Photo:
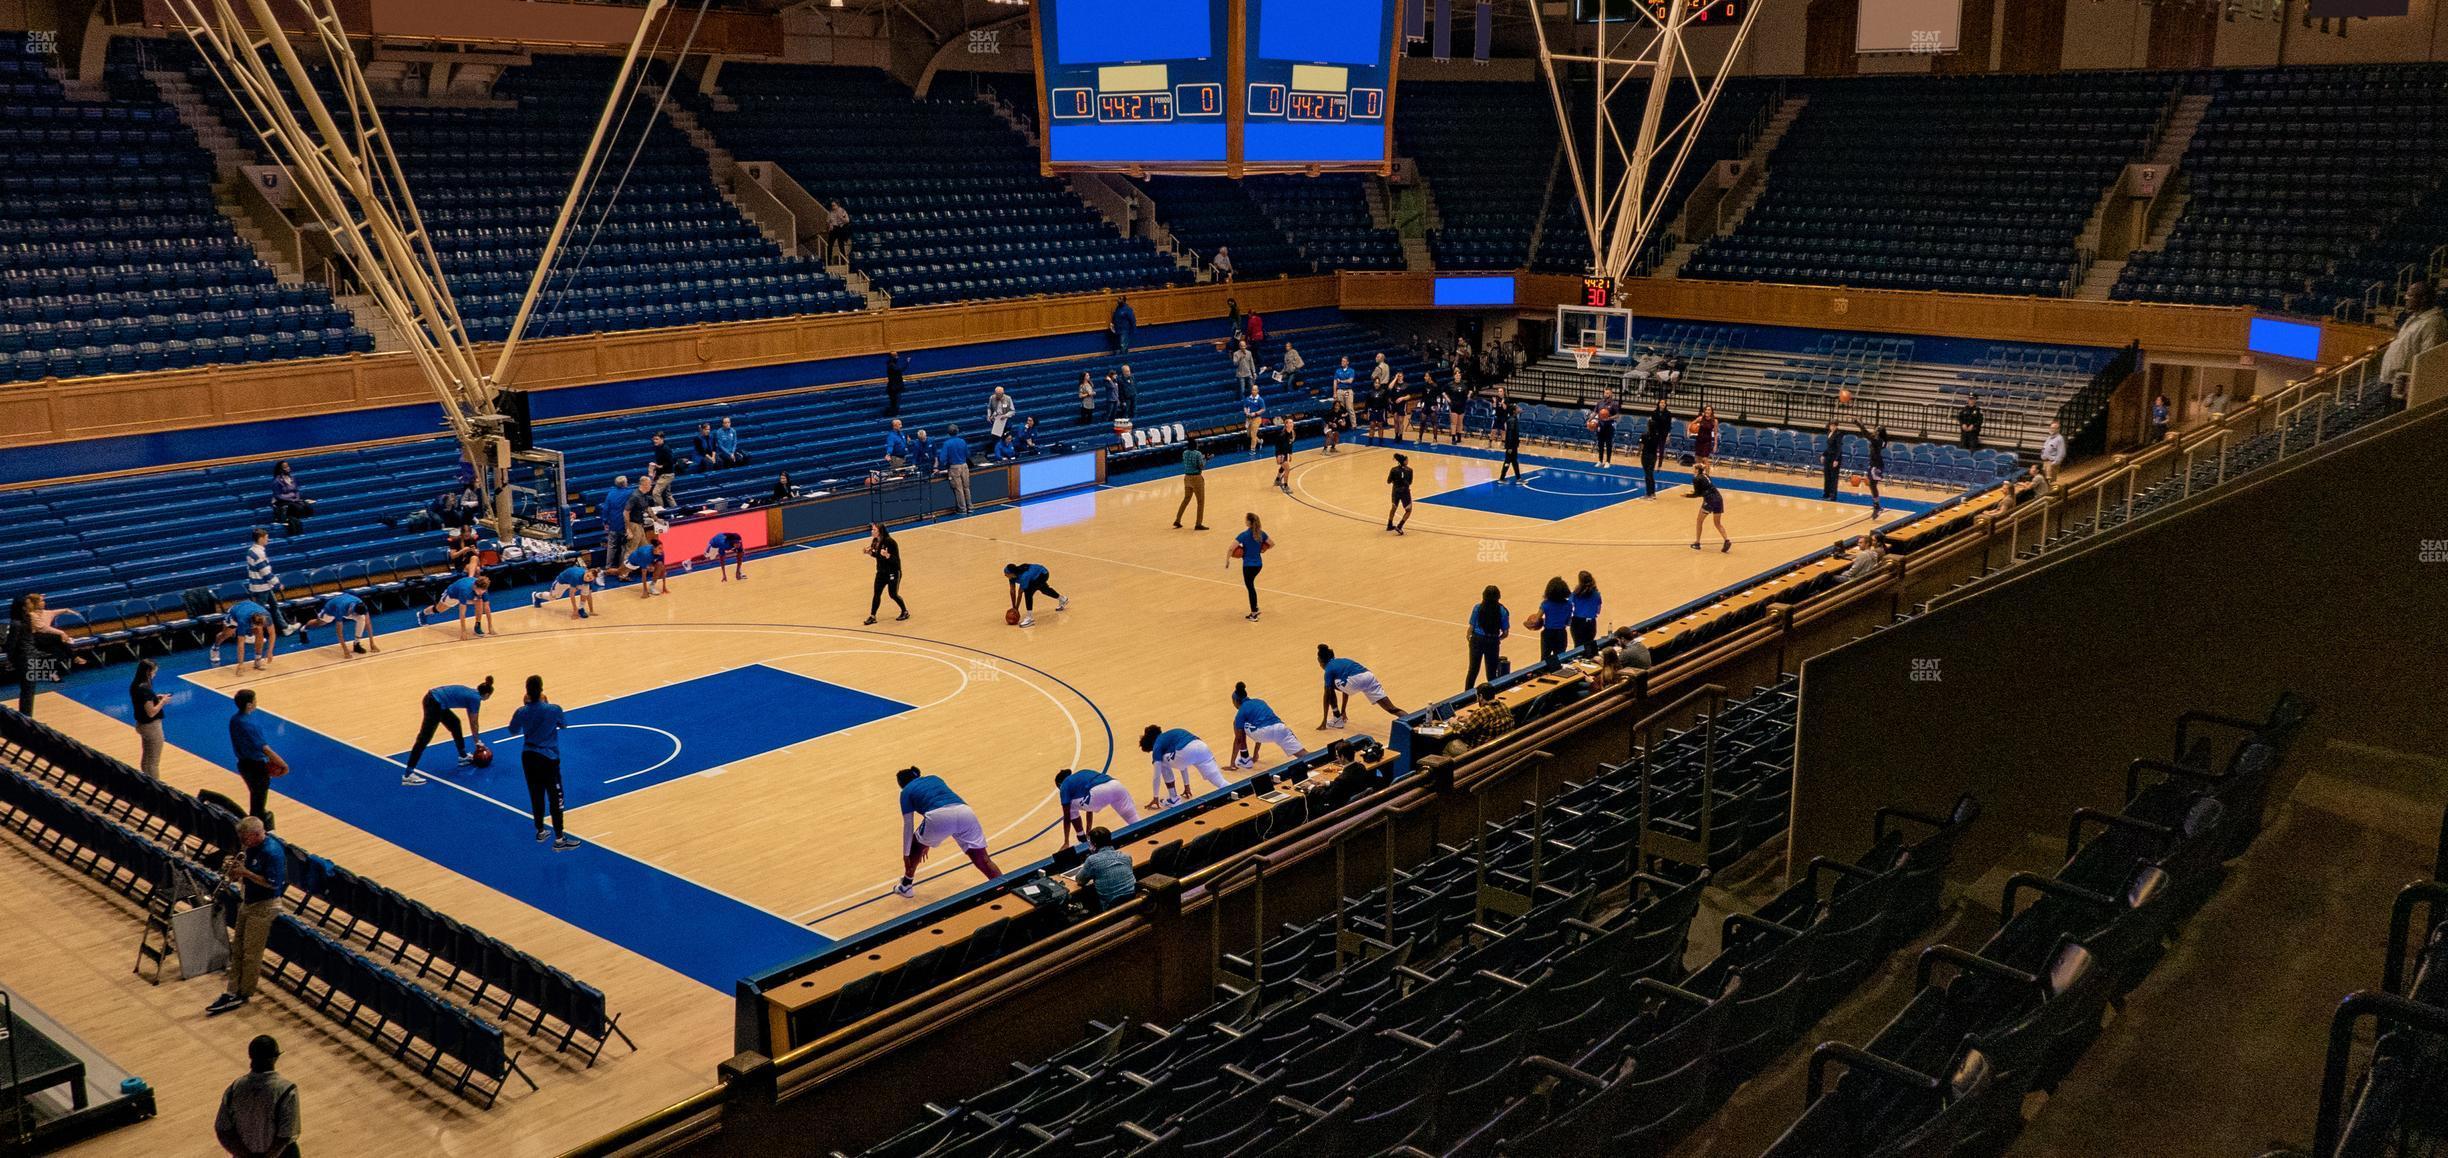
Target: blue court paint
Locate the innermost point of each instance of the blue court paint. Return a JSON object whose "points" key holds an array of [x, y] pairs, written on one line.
{"points": [[638, 741], [684, 926], [1555, 493]]}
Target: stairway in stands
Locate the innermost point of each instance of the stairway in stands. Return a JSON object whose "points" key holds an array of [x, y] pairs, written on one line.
{"points": [[1746, 191]]}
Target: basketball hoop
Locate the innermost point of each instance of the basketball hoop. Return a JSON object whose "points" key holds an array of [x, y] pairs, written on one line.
{"points": [[1581, 356]]}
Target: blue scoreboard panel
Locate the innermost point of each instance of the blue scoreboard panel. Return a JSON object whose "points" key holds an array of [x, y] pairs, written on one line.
{"points": [[1134, 82], [1216, 86], [1320, 83]]}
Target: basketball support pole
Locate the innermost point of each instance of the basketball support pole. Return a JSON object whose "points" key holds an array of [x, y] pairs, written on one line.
{"points": [[350, 179], [1622, 216]]}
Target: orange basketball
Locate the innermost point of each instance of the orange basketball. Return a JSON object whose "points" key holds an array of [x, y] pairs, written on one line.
{"points": [[1844, 396], [1236, 550], [1012, 616]]}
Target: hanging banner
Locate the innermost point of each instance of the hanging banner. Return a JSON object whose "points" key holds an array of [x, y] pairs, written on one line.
{"points": [[1483, 30], [1442, 47]]}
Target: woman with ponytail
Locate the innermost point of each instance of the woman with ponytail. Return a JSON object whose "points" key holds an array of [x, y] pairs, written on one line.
{"points": [[442, 706]]}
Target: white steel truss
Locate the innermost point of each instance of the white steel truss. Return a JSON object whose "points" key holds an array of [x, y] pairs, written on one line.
{"points": [[1623, 212]]}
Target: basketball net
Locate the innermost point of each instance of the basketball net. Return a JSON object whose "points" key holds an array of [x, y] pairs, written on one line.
{"points": [[1582, 355]]}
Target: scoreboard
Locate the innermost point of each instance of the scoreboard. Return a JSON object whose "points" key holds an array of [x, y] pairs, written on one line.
{"points": [[1704, 13], [1216, 86]]}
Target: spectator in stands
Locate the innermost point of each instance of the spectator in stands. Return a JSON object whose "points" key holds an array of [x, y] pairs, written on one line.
{"points": [[2419, 327], [1028, 436], [1485, 720], [666, 464], [1194, 481], [2216, 404], [704, 447], [262, 582], [1253, 328], [1122, 324], [999, 411], [1224, 265], [1831, 457], [260, 869], [837, 230], [894, 366], [1968, 423], [615, 515], [1245, 370], [1488, 624], [1107, 873], [1126, 393], [2053, 452], [1006, 448], [953, 457], [466, 551], [1610, 670], [259, 1112], [289, 507], [782, 489], [1087, 398], [1293, 363], [1869, 558], [896, 447], [726, 445], [145, 708], [922, 452], [257, 762], [1232, 319]]}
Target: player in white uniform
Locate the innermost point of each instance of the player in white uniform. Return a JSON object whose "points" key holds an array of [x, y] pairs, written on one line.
{"points": [[1174, 754], [1255, 725], [1083, 791]]}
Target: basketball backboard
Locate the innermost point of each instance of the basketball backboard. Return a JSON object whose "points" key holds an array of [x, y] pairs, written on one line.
{"points": [[1604, 329]]}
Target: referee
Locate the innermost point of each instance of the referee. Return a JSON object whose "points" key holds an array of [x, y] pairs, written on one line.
{"points": [[539, 721]]}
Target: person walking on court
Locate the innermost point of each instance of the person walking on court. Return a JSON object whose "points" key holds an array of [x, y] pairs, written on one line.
{"points": [[1398, 483], [1083, 791], [259, 1112], [1174, 753], [1250, 548], [1253, 412], [1653, 444], [1831, 460], [1283, 436], [1345, 678], [954, 457], [931, 813], [1876, 473], [260, 868], [441, 707], [258, 764], [1489, 623], [886, 551], [1511, 417], [1027, 580], [1344, 379], [1255, 725], [1584, 611], [145, 711], [1554, 618], [1712, 506], [1602, 424], [539, 722], [1194, 483]]}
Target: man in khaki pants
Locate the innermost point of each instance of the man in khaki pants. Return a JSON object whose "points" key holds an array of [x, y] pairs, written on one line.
{"points": [[261, 870], [1194, 487]]}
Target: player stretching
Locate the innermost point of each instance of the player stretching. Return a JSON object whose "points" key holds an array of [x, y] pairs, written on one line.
{"points": [[470, 594], [576, 583], [1399, 478], [728, 552], [1172, 751], [647, 560], [931, 813], [247, 623], [1083, 791], [344, 611], [1255, 725], [1345, 678], [1027, 580]]}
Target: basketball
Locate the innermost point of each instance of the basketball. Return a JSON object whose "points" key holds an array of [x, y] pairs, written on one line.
{"points": [[1012, 617], [1236, 551], [483, 757], [1844, 397], [1860, 481], [1537, 620]]}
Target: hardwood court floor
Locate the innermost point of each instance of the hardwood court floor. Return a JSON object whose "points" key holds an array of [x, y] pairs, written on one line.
{"points": [[801, 824]]}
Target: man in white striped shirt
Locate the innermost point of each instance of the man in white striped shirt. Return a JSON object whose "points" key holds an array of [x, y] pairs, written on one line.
{"points": [[263, 583]]}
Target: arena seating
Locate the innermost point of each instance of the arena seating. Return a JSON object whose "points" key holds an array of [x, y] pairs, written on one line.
{"points": [[1486, 151], [433, 1037], [2267, 211], [1501, 1009], [1986, 195], [1208, 213], [114, 257], [945, 200], [1564, 238], [140, 542], [1328, 217], [2383, 1104], [456, 956]]}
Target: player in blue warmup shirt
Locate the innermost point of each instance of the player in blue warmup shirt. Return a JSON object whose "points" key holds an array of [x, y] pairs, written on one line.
{"points": [[470, 594], [344, 612], [647, 560], [576, 583], [1027, 580], [728, 552], [1345, 678], [1176, 751], [931, 813], [1083, 791], [1585, 605], [441, 707], [1555, 617], [539, 722], [249, 623], [1253, 411], [1255, 725], [1249, 549]]}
